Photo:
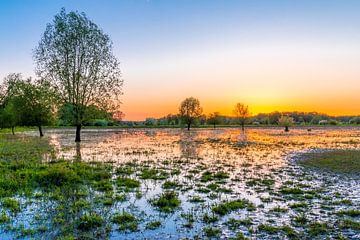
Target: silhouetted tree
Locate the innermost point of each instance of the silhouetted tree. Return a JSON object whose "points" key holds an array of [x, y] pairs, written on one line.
{"points": [[241, 113], [214, 118], [190, 110], [286, 122], [76, 57]]}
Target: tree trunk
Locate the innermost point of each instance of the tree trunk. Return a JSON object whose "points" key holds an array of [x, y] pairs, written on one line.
{"points": [[286, 128], [242, 127], [78, 151], [188, 126], [12, 130], [214, 126], [40, 131], [77, 137]]}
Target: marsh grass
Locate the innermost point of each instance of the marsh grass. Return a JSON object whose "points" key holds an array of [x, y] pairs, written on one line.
{"points": [[229, 206], [341, 161], [202, 196], [166, 202]]}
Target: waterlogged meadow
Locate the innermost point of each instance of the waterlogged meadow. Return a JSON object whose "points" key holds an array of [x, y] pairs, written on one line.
{"points": [[175, 184]]}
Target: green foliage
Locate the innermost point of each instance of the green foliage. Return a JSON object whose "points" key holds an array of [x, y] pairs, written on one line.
{"points": [[92, 115], [152, 173], [212, 232], [229, 206], [354, 120], [349, 212], [210, 218], [286, 121], [153, 225], [23, 169], [170, 185], [214, 119], [85, 85], [209, 176], [26, 103], [9, 117], [167, 201], [11, 204], [190, 110], [4, 218], [348, 224], [127, 182], [89, 221], [125, 221], [318, 228]]}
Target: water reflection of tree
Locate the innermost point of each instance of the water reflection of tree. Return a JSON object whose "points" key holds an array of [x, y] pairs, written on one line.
{"points": [[67, 212], [189, 146], [78, 151], [242, 137]]}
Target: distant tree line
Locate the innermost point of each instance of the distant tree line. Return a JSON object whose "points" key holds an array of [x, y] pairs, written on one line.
{"points": [[242, 117]]}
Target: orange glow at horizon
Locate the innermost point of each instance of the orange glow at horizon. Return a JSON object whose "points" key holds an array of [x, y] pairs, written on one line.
{"points": [[267, 76]]}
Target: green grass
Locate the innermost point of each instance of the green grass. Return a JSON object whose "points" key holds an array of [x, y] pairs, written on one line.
{"points": [[152, 173], [341, 161], [4, 218], [212, 232], [12, 204], [166, 202], [349, 212], [229, 206], [125, 221], [89, 221], [153, 225], [127, 182]]}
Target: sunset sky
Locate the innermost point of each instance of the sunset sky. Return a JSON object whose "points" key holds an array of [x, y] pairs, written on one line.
{"points": [[272, 55]]}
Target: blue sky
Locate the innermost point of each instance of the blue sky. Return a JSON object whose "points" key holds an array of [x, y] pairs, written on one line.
{"points": [[221, 50]]}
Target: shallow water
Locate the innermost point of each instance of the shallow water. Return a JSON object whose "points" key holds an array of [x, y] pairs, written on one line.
{"points": [[260, 153]]}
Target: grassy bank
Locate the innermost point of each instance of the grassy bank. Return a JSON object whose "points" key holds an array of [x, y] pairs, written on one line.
{"points": [[341, 161]]}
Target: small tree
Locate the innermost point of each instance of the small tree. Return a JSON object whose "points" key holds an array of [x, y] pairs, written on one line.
{"points": [[9, 116], [76, 57], [214, 118], [241, 113], [35, 103], [286, 122], [190, 110]]}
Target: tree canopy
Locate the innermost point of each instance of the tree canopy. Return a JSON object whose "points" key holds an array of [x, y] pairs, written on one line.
{"points": [[241, 112], [26, 103], [190, 110], [75, 56], [286, 121]]}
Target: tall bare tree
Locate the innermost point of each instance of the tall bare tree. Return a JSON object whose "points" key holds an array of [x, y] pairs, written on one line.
{"points": [[190, 110], [75, 56], [241, 112]]}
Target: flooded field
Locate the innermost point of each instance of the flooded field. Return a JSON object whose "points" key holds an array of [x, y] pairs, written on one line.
{"points": [[206, 183]]}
